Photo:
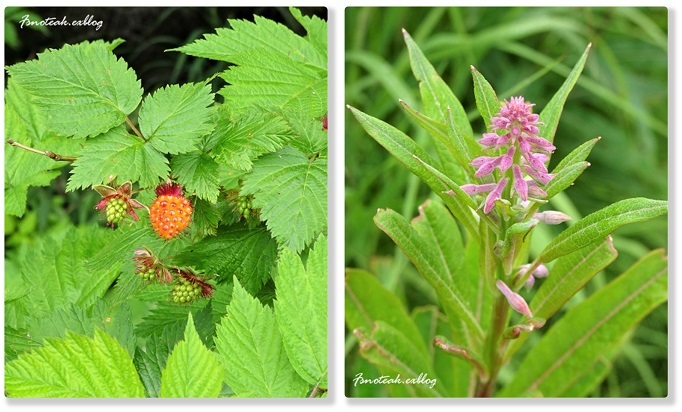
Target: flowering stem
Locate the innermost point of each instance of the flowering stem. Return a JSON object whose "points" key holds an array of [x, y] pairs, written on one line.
{"points": [[499, 323], [132, 126], [52, 155]]}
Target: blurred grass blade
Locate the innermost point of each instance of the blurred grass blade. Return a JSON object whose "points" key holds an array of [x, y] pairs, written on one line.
{"points": [[436, 95], [602, 222], [568, 276], [589, 330], [552, 112], [416, 160], [367, 302], [394, 354], [426, 262], [486, 100]]}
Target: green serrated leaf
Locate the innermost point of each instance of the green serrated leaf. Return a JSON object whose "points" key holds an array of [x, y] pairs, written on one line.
{"points": [[248, 254], [74, 367], [173, 118], [198, 173], [170, 315], [600, 223], [205, 218], [119, 154], [486, 99], [549, 117], [83, 89], [291, 191], [151, 361], [301, 311], [237, 143], [56, 272], [430, 267], [192, 371], [18, 341], [250, 345], [316, 29], [591, 329]]}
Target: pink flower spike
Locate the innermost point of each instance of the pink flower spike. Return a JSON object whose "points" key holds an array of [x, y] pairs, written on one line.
{"points": [[552, 217], [524, 146], [536, 163], [489, 139], [494, 195], [507, 159], [479, 161], [476, 189], [520, 185], [541, 143], [530, 282], [541, 272], [515, 300], [543, 178], [487, 167]]}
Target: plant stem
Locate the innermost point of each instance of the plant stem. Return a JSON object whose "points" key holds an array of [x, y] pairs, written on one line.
{"points": [[132, 126], [52, 155], [499, 322]]}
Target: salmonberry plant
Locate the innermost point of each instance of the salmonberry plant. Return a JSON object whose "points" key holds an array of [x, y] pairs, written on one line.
{"points": [[471, 245], [207, 274]]}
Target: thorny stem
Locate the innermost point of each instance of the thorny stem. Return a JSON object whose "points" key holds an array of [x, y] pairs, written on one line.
{"points": [[52, 155], [132, 126]]}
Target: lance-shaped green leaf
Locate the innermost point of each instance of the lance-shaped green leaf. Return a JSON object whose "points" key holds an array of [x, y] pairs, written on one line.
{"points": [[568, 275], [367, 301], [301, 311], [437, 97], [173, 118], [579, 154], [591, 329], [83, 89], [291, 191], [431, 268], [192, 371], [417, 161], [565, 178], [486, 99], [466, 148], [74, 367], [549, 117], [393, 353], [250, 345], [454, 372], [602, 222]]}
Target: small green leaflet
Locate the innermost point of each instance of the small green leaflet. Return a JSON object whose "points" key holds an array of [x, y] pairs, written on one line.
{"points": [[249, 343], [192, 371], [83, 89], [74, 367], [198, 174], [174, 117], [118, 153], [291, 191], [301, 311]]}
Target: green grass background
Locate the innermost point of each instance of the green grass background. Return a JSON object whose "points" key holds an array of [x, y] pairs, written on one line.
{"points": [[622, 96]]}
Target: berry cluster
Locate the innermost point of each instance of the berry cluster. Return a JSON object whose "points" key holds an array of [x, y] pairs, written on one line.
{"points": [[116, 209], [148, 275], [245, 206], [171, 212], [185, 291]]}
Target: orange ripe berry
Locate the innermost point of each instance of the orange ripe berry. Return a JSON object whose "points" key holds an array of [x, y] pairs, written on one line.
{"points": [[171, 211]]}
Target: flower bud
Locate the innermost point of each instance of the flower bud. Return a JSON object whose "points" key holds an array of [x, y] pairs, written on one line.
{"points": [[552, 217], [515, 300]]}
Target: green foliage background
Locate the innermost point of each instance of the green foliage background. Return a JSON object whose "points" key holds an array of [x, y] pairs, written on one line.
{"points": [[621, 96]]}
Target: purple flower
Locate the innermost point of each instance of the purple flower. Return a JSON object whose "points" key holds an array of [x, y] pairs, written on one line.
{"points": [[514, 141], [515, 300]]}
